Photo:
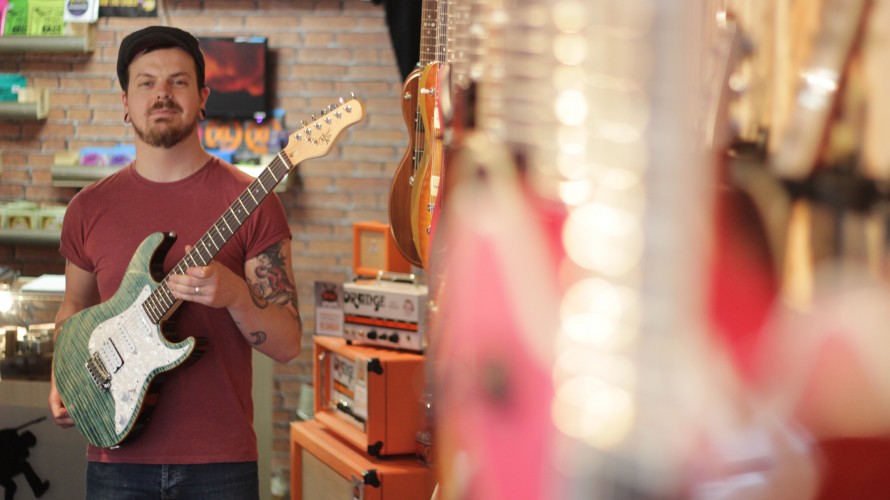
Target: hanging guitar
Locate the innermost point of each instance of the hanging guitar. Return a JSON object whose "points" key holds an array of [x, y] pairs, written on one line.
{"points": [[466, 46], [403, 179], [106, 356], [426, 179]]}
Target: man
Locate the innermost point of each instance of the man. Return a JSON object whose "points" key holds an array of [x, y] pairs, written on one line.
{"points": [[200, 441]]}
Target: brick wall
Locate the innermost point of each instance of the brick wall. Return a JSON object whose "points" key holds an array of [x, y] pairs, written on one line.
{"points": [[321, 50]]}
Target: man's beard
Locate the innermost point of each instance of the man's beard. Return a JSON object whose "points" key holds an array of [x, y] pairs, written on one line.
{"points": [[165, 137]]}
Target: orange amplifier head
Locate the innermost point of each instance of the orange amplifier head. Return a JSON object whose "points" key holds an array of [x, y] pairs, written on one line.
{"points": [[385, 313], [369, 396], [323, 466]]}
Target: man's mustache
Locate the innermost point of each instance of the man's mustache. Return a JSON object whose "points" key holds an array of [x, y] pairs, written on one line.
{"points": [[165, 104]]}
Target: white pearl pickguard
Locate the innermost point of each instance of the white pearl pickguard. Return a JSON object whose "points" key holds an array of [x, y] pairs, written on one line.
{"points": [[132, 349]]}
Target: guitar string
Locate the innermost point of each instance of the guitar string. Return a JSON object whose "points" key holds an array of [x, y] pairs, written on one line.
{"points": [[161, 300]]}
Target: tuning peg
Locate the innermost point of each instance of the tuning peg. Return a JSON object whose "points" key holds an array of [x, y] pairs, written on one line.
{"points": [[341, 100], [303, 123]]}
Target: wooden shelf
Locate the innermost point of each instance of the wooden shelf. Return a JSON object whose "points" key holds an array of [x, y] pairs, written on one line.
{"points": [[81, 39], [30, 236]]}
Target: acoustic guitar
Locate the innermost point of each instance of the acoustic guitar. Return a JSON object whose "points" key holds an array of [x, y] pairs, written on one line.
{"points": [[107, 356]]}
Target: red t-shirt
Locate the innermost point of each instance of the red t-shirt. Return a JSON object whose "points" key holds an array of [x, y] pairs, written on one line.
{"points": [[205, 410]]}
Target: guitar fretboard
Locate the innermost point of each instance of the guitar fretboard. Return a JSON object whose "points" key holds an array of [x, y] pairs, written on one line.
{"points": [[428, 32], [159, 303]]}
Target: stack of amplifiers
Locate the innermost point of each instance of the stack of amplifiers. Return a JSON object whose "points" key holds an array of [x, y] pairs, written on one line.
{"points": [[325, 468], [385, 313], [369, 396]]}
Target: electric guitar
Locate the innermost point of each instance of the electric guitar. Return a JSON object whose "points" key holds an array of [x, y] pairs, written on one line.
{"points": [[429, 171], [404, 178], [107, 356], [458, 80]]}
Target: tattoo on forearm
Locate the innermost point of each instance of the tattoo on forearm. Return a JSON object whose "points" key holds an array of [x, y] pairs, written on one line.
{"points": [[258, 338], [256, 294], [271, 283]]}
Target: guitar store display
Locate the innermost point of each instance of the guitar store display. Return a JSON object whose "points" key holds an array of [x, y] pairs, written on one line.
{"points": [[373, 326]]}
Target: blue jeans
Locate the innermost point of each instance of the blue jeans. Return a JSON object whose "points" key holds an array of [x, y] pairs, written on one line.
{"points": [[220, 481]]}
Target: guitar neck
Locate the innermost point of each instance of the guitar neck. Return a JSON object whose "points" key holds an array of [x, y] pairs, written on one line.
{"points": [[442, 44], [161, 301], [428, 32]]}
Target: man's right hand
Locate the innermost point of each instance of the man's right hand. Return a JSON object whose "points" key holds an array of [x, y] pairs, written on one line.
{"points": [[60, 413]]}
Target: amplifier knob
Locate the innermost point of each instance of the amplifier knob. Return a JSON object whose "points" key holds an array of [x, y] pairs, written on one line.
{"points": [[372, 334], [394, 338]]}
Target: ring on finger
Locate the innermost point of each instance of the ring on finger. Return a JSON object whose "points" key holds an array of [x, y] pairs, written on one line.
{"points": [[197, 290]]}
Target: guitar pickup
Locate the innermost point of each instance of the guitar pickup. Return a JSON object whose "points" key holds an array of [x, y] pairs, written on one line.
{"points": [[110, 356]]}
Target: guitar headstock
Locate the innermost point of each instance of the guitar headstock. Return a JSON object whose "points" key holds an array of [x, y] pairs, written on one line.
{"points": [[318, 137]]}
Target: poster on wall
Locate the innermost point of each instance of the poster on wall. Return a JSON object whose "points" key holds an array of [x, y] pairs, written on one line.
{"points": [[244, 142], [128, 8]]}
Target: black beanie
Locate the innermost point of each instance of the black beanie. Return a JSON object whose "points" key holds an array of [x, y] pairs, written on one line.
{"points": [[157, 37]]}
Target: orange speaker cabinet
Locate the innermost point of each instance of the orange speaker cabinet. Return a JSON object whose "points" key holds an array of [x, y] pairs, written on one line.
{"points": [[374, 250], [369, 396], [325, 468]]}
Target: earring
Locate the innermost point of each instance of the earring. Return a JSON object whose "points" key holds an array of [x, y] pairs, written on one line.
{"points": [[203, 113], [126, 117]]}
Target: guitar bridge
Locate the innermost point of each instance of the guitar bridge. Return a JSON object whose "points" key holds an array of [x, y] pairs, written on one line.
{"points": [[103, 362], [98, 371]]}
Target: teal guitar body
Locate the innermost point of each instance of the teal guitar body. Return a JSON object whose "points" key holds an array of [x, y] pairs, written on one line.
{"points": [[107, 356]]}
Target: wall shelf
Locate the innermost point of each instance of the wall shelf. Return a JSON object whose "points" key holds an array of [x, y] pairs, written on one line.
{"points": [[81, 39], [30, 236], [79, 176], [32, 104]]}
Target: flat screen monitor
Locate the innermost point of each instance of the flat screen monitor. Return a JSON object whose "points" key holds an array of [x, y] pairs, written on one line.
{"points": [[236, 73]]}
